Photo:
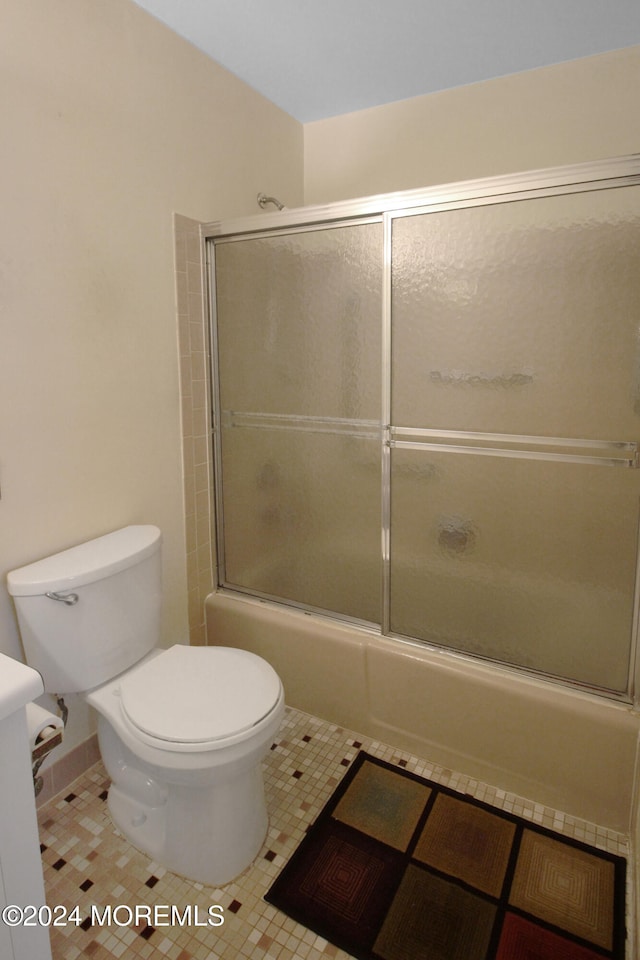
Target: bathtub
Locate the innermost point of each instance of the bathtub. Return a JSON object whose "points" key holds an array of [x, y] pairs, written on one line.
{"points": [[556, 746]]}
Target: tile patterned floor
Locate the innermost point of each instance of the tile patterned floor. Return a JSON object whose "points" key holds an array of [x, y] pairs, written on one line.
{"points": [[87, 863]]}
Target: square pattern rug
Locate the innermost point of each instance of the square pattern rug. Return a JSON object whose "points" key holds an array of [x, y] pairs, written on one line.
{"points": [[399, 868]]}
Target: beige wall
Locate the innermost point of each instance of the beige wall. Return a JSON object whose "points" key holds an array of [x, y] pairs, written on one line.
{"points": [[110, 124], [582, 110]]}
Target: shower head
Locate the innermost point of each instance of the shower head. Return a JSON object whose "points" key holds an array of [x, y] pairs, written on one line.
{"points": [[264, 200]]}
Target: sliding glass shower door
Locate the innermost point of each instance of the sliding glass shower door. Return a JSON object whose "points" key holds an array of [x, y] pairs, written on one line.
{"points": [[299, 368], [515, 375], [427, 419]]}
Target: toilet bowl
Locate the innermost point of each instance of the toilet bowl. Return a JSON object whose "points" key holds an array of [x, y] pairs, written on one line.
{"points": [[186, 778], [182, 731]]}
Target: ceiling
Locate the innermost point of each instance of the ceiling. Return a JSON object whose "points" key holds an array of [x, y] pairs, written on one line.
{"points": [[321, 58]]}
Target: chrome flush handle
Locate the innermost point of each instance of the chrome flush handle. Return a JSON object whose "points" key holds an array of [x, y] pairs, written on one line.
{"points": [[69, 598]]}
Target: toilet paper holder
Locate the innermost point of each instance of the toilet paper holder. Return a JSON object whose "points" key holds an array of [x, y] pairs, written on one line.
{"points": [[45, 734], [40, 752]]}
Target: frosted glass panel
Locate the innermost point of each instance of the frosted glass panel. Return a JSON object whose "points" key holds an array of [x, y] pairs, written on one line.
{"points": [[299, 323], [299, 338], [520, 317], [528, 562], [302, 518]]}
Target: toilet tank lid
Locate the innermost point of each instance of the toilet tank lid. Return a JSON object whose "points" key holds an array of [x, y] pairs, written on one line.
{"points": [[86, 562]]}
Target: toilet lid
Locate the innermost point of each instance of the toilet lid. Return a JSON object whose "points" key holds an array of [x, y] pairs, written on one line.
{"points": [[199, 694]]}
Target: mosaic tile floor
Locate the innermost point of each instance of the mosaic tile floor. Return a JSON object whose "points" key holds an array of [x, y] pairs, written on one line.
{"points": [[87, 863]]}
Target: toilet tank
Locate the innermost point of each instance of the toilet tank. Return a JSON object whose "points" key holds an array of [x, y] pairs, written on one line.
{"points": [[114, 622]]}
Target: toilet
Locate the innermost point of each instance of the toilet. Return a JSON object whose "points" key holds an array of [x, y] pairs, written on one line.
{"points": [[182, 731]]}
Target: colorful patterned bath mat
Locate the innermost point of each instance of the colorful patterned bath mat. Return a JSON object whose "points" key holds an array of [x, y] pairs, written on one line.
{"points": [[399, 868]]}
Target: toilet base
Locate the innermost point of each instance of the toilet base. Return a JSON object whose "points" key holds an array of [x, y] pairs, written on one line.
{"points": [[212, 846], [143, 827]]}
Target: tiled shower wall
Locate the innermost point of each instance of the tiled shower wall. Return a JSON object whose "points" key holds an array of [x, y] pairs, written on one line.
{"points": [[195, 404]]}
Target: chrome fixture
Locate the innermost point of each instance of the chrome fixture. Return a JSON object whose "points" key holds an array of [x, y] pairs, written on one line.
{"points": [[68, 598], [263, 200]]}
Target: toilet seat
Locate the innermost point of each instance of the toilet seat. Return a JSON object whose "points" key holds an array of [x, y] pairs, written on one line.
{"points": [[191, 697]]}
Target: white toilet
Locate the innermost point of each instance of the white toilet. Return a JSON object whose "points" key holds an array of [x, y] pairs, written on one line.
{"points": [[182, 731]]}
